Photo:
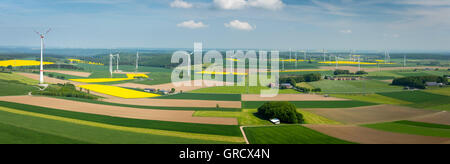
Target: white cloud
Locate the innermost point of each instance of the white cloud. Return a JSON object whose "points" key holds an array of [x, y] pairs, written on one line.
{"points": [[236, 24], [346, 31], [180, 4], [241, 4], [424, 2], [230, 4], [192, 24], [266, 4]]}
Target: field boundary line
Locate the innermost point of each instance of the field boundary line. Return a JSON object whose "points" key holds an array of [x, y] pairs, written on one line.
{"points": [[243, 134], [129, 129]]}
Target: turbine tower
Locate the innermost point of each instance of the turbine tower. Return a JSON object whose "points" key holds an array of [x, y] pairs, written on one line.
{"points": [[137, 61], [41, 71], [118, 58], [111, 56]]}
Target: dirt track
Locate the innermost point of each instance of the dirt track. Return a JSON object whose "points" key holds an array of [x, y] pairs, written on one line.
{"points": [[437, 118], [167, 86], [176, 103], [290, 97], [370, 136], [354, 69], [74, 73], [371, 114], [115, 111]]}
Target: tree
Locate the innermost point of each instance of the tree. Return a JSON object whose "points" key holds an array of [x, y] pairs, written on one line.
{"points": [[284, 111], [9, 67], [361, 73], [172, 90]]}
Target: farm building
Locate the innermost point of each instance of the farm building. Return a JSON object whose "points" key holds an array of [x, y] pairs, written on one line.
{"points": [[344, 78], [286, 86], [434, 84]]}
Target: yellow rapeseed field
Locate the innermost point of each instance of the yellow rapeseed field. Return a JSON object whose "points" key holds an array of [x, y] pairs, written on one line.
{"points": [[136, 75], [84, 62], [232, 59], [100, 80], [19, 63], [117, 91], [105, 80]]}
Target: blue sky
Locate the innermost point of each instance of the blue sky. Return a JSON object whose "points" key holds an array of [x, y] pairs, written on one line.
{"points": [[268, 24]]}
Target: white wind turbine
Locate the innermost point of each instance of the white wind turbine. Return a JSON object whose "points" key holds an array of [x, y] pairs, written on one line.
{"points": [[137, 61], [41, 71]]}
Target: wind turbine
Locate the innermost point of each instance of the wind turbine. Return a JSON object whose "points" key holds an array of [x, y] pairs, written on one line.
{"points": [[41, 71], [111, 56], [118, 58], [304, 54], [137, 61]]}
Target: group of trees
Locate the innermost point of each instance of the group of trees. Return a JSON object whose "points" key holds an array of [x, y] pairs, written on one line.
{"points": [[7, 69], [347, 72], [284, 111], [419, 81], [293, 80], [65, 90]]}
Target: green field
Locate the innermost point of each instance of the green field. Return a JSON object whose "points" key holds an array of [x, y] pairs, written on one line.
{"points": [[408, 72], [74, 131], [359, 86], [288, 134], [150, 107], [312, 104], [11, 134], [246, 117], [373, 98], [12, 88], [16, 77], [416, 128], [421, 99], [440, 91], [311, 118], [203, 96], [226, 130]]}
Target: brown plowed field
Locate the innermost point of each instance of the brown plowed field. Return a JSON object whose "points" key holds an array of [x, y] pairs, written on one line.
{"points": [[115, 111], [74, 73], [167, 86], [370, 136], [437, 118], [176, 103], [370, 114]]}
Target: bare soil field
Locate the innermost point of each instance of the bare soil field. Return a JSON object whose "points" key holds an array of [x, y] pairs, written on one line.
{"points": [[176, 103], [74, 73], [436, 118], [115, 111], [370, 136], [354, 69], [48, 79], [290, 97], [168, 86], [371, 114]]}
